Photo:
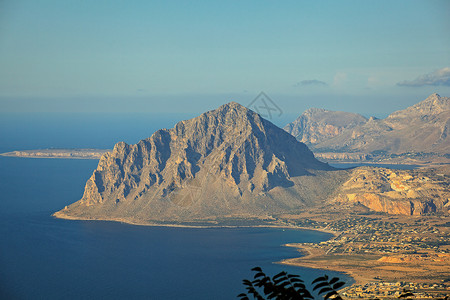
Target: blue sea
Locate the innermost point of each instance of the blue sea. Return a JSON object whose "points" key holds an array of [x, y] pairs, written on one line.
{"points": [[46, 258]]}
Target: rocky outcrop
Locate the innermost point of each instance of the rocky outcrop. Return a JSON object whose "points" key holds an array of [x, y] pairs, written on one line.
{"points": [[231, 164], [405, 192], [317, 125], [420, 130], [226, 163]]}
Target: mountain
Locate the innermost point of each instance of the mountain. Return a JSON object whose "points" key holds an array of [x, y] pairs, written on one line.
{"points": [[422, 128], [317, 125], [226, 163]]}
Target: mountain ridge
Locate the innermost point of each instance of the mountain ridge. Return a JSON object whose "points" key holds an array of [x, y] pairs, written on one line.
{"points": [[227, 162], [232, 165], [421, 128]]}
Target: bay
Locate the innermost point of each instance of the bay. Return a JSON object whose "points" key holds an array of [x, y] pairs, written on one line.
{"points": [[46, 258]]}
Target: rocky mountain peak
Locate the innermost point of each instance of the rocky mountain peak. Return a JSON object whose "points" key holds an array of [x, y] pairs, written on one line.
{"points": [[225, 161], [315, 110], [423, 127], [432, 105]]}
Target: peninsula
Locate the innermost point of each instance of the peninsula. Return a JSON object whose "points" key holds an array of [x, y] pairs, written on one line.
{"points": [[59, 153]]}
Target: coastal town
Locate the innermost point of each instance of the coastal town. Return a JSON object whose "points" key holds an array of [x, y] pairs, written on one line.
{"points": [[386, 255]]}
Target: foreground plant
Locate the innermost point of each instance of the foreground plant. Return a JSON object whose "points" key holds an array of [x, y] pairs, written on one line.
{"points": [[285, 286]]}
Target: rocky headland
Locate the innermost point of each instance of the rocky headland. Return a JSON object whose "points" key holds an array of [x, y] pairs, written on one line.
{"points": [[225, 164]]}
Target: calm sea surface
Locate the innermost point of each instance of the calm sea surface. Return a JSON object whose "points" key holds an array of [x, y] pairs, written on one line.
{"points": [[46, 258]]}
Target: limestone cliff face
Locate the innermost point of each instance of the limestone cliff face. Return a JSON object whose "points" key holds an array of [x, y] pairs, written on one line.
{"points": [[317, 125], [423, 127], [405, 192], [228, 162]]}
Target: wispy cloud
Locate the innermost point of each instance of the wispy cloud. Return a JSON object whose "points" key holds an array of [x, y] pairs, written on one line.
{"points": [[438, 77], [339, 79], [311, 82]]}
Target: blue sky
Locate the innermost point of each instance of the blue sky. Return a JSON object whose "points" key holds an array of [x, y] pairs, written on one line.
{"points": [[370, 57]]}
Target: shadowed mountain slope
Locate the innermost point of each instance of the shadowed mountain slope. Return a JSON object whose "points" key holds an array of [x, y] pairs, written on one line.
{"points": [[225, 163]]}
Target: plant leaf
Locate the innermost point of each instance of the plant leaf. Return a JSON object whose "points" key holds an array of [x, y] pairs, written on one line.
{"points": [[299, 285], [327, 296], [338, 285], [334, 280], [279, 275], [319, 285], [325, 289], [322, 278], [247, 282]]}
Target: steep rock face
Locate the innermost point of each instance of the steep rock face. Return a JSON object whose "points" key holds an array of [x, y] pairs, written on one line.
{"points": [[405, 192], [433, 105], [317, 125], [423, 128], [228, 162]]}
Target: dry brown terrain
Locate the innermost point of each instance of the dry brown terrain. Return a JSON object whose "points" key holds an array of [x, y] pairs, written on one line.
{"points": [[364, 268], [372, 247]]}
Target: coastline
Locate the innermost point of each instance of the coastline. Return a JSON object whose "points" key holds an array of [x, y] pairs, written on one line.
{"points": [[305, 253], [62, 216], [308, 254], [83, 153], [92, 153]]}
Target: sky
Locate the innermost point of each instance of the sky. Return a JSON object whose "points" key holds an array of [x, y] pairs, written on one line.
{"points": [[370, 57]]}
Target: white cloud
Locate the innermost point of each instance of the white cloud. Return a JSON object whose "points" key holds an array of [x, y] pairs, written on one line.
{"points": [[339, 78], [438, 77]]}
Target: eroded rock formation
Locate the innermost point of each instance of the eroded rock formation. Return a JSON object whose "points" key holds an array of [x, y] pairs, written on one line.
{"points": [[406, 192], [228, 162]]}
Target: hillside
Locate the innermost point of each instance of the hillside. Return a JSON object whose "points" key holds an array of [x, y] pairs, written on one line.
{"points": [[317, 125], [419, 132], [224, 164], [230, 166], [403, 192]]}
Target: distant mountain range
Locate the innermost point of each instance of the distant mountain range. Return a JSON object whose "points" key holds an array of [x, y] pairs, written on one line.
{"points": [[419, 131], [229, 165]]}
